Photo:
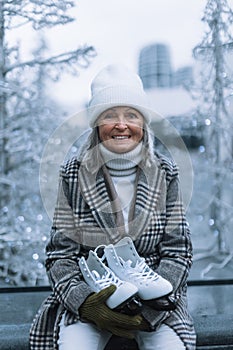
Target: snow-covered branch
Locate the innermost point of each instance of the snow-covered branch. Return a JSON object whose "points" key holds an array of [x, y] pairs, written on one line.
{"points": [[40, 13], [81, 57]]}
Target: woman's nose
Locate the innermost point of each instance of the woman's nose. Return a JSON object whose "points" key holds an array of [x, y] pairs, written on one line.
{"points": [[121, 123]]}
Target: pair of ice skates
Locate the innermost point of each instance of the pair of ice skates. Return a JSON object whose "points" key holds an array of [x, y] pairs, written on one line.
{"points": [[136, 282]]}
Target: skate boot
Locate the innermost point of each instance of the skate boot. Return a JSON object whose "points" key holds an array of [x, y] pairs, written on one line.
{"points": [[123, 259], [98, 276]]}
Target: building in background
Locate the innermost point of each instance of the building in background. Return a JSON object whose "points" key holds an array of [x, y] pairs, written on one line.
{"points": [[155, 68], [182, 76], [167, 93]]}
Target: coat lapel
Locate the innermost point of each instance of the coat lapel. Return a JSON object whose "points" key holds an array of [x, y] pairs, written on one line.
{"points": [[149, 197], [103, 207]]}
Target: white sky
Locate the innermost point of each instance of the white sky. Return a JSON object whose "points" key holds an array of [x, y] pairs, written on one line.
{"points": [[118, 29]]}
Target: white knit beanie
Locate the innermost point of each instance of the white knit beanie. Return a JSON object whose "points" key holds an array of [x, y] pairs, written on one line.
{"points": [[116, 85]]}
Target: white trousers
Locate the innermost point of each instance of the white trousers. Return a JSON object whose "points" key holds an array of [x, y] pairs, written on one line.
{"points": [[85, 336]]}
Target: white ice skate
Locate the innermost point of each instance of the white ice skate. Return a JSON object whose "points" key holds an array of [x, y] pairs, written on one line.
{"points": [[123, 259], [98, 276]]}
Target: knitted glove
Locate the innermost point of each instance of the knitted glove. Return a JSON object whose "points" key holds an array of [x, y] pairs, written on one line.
{"points": [[144, 325], [94, 309]]}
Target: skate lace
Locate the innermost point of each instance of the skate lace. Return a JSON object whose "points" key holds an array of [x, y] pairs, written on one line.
{"points": [[140, 271], [106, 279], [109, 277], [101, 246]]}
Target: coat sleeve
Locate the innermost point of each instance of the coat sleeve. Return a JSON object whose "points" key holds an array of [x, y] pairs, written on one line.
{"points": [[175, 249], [63, 251]]}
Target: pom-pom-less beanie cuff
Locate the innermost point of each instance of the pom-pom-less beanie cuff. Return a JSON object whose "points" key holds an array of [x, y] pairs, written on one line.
{"points": [[117, 96], [116, 85]]}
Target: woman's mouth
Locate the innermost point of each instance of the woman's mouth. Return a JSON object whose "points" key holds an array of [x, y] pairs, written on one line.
{"points": [[121, 137]]}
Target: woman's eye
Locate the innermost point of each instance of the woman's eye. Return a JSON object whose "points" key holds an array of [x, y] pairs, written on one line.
{"points": [[108, 116], [132, 116]]}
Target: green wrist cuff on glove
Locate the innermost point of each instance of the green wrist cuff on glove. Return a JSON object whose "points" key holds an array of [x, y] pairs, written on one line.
{"points": [[94, 309]]}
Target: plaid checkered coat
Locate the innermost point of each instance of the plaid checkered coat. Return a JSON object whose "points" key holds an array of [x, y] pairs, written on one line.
{"points": [[84, 217]]}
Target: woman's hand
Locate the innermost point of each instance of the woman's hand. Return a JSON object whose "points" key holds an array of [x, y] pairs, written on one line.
{"points": [[94, 309]]}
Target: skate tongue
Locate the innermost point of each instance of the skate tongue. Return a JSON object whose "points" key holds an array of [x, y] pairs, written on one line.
{"points": [[127, 263], [142, 267]]}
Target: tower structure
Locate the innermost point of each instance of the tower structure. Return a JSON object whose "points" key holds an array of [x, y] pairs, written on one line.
{"points": [[155, 66]]}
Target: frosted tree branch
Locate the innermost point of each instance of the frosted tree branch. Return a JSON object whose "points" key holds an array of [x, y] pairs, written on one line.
{"points": [[80, 56]]}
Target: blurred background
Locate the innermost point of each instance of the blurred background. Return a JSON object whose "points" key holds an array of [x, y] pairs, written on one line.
{"points": [[49, 54]]}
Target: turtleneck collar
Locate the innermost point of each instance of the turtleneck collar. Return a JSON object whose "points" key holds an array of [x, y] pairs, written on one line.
{"points": [[121, 164]]}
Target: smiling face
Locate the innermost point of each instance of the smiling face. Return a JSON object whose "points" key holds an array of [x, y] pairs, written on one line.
{"points": [[120, 128]]}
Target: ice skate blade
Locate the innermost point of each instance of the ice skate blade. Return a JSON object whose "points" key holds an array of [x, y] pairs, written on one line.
{"points": [[166, 303], [132, 306]]}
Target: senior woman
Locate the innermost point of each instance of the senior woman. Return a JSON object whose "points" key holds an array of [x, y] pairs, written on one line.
{"points": [[118, 186]]}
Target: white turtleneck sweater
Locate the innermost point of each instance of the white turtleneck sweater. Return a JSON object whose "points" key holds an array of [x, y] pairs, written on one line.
{"points": [[122, 168]]}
